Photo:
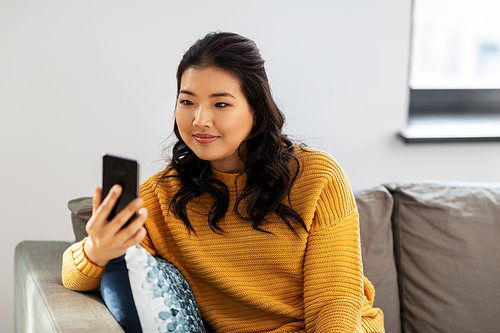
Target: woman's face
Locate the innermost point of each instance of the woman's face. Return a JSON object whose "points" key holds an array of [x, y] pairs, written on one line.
{"points": [[213, 117]]}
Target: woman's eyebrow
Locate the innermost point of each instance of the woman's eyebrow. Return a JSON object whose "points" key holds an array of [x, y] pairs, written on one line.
{"points": [[221, 94], [187, 92]]}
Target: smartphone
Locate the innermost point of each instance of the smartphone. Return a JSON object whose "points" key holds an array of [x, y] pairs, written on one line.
{"points": [[124, 172]]}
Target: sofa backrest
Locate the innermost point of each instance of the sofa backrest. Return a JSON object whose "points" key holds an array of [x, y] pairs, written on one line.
{"points": [[81, 211], [375, 210], [447, 250]]}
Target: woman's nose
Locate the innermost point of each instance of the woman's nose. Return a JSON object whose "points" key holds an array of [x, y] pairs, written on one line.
{"points": [[202, 117]]}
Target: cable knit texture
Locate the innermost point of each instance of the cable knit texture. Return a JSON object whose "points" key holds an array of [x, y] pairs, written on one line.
{"points": [[249, 281]]}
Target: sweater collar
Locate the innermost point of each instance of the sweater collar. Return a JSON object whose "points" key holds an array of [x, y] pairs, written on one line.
{"points": [[231, 179]]}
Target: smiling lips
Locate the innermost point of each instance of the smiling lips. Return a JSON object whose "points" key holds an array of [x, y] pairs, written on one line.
{"points": [[205, 138]]}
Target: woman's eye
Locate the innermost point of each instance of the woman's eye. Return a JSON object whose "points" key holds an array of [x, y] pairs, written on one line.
{"points": [[186, 102], [221, 105]]}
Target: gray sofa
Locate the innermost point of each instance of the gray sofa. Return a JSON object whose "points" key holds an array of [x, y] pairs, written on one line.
{"points": [[431, 249]]}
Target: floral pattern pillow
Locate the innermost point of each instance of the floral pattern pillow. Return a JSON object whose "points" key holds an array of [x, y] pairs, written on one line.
{"points": [[148, 294]]}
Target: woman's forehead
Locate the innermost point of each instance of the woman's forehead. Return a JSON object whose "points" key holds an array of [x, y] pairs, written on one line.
{"points": [[211, 80]]}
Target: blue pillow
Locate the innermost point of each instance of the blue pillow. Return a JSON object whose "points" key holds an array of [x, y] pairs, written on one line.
{"points": [[148, 294]]}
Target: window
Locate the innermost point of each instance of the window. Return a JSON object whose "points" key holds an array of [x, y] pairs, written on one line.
{"points": [[454, 76]]}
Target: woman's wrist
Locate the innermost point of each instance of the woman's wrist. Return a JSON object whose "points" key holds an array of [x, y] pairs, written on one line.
{"points": [[88, 249]]}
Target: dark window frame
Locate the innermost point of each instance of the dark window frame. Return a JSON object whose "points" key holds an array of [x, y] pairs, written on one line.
{"points": [[451, 115]]}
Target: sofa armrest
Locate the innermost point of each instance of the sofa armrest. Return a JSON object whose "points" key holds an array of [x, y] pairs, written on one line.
{"points": [[43, 304]]}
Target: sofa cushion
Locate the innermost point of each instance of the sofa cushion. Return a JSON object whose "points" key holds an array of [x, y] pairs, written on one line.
{"points": [[81, 210], [375, 209], [447, 248]]}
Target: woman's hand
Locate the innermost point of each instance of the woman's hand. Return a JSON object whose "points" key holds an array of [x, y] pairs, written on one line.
{"points": [[107, 240]]}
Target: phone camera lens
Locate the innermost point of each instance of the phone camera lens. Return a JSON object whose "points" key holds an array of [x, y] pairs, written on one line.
{"points": [[120, 168]]}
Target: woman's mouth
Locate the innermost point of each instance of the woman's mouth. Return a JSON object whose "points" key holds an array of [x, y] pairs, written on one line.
{"points": [[205, 138]]}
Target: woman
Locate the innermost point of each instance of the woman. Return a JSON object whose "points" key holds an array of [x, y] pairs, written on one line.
{"points": [[265, 232]]}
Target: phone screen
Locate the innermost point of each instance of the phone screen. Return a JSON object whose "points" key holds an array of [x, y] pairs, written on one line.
{"points": [[124, 172]]}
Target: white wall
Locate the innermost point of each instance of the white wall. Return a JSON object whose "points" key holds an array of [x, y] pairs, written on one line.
{"points": [[78, 78]]}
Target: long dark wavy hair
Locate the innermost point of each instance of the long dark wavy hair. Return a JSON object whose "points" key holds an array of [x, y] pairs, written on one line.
{"points": [[268, 155]]}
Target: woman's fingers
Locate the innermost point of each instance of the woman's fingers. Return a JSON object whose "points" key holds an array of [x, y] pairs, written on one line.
{"points": [[96, 200], [109, 239], [97, 225], [130, 235], [136, 238], [109, 202], [125, 214]]}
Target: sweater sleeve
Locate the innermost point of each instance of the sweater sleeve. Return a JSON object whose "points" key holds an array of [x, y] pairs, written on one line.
{"points": [[78, 272], [333, 273]]}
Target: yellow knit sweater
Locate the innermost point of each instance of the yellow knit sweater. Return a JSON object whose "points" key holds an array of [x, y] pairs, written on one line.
{"points": [[249, 281]]}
